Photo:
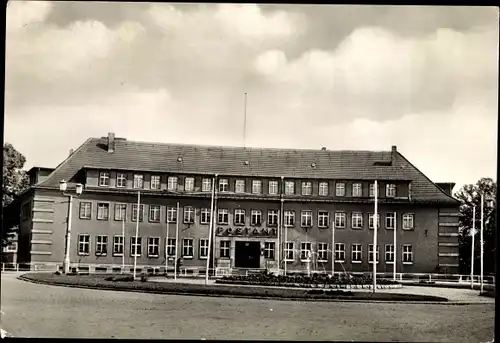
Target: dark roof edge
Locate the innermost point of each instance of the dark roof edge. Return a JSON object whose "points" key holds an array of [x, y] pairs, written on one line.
{"points": [[64, 162], [439, 188]]}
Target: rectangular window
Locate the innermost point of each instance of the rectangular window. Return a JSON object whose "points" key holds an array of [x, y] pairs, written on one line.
{"points": [[306, 188], [12, 247], [289, 187], [205, 216], [189, 184], [370, 253], [371, 223], [138, 181], [340, 252], [101, 245], [340, 189], [322, 252], [289, 218], [172, 183], [323, 189], [407, 221], [239, 186], [118, 245], [83, 244], [171, 214], [153, 246], [239, 217], [389, 253], [340, 220], [289, 251], [155, 182], [256, 187], [206, 185], [223, 185], [85, 210], [390, 190], [407, 254], [121, 180], [357, 190], [120, 211], [203, 252], [225, 249], [269, 248], [104, 179], [188, 214], [305, 251], [323, 218], [256, 216], [357, 253], [135, 248], [273, 187], [389, 220], [357, 220], [372, 190], [272, 217], [134, 213], [187, 248], [306, 218], [154, 213], [223, 216], [171, 246], [102, 211]]}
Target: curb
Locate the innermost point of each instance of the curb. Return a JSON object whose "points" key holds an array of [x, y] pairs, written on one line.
{"points": [[455, 303]]}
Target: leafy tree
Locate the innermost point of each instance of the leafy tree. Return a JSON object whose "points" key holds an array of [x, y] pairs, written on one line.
{"points": [[470, 196], [15, 181]]}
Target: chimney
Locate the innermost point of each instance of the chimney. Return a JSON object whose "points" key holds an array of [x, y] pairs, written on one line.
{"points": [[394, 152], [111, 142], [70, 152], [323, 148]]}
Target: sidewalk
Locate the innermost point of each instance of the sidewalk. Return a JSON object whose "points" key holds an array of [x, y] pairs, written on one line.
{"points": [[455, 295]]}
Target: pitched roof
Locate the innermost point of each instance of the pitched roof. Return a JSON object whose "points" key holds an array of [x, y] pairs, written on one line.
{"points": [[239, 161]]}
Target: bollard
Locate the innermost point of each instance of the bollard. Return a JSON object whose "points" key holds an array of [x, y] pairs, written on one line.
{"points": [[17, 267], [3, 267], [430, 279]]}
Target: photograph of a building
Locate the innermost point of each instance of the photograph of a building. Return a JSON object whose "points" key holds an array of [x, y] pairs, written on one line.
{"points": [[264, 199]]}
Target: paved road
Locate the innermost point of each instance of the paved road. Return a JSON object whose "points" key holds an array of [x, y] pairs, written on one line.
{"points": [[32, 310]]}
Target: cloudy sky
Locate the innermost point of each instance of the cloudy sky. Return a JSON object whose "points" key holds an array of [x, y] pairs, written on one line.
{"points": [[344, 77]]}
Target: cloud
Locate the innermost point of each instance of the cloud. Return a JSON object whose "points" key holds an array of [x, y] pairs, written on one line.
{"points": [[20, 14]]}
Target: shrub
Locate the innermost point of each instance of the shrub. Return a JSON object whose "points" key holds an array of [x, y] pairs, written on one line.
{"points": [[57, 273], [144, 277]]}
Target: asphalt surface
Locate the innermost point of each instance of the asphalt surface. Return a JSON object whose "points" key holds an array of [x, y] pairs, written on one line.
{"points": [[34, 310]]}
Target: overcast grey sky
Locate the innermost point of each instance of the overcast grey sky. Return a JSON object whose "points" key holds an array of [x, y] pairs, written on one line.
{"points": [[345, 77]]}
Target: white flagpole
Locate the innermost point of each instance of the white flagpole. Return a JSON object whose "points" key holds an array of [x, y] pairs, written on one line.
{"points": [[137, 230], [333, 246], [280, 226], [176, 241], [213, 219], [375, 225], [166, 246], [472, 252], [123, 240], [286, 248], [395, 249], [482, 242], [210, 230]]}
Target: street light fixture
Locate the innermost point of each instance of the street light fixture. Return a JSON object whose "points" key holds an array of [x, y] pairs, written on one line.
{"points": [[63, 186]]}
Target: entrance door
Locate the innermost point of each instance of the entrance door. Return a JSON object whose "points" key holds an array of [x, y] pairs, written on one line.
{"points": [[247, 255]]}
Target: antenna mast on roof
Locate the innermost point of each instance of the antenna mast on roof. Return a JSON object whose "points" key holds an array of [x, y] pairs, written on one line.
{"points": [[245, 122]]}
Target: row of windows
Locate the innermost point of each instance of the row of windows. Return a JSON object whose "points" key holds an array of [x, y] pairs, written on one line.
{"points": [[239, 216], [306, 251], [240, 187]]}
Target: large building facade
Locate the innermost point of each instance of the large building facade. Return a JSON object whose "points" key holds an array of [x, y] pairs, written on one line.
{"points": [[272, 207]]}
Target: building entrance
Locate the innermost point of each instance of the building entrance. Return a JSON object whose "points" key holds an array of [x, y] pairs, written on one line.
{"points": [[247, 255]]}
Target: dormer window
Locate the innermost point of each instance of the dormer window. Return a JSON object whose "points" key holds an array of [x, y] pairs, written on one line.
{"points": [[104, 179], [306, 188], [223, 185], [357, 190], [121, 180], [138, 181], [172, 183], [390, 190]]}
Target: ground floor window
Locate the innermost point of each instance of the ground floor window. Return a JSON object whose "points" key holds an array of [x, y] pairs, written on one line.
{"points": [[269, 248], [305, 251], [83, 244], [118, 245], [225, 247], [101, 247], [340, 252], [203, 253], [389, 253], [370, 253], [322, 252], [135, 247], [153, 246], [171, 246], [187, 248], [357, 253], [289, 251], [407, 254]]}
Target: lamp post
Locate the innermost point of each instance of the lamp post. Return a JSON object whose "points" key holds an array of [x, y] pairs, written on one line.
{"points": [[79, 189]]}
